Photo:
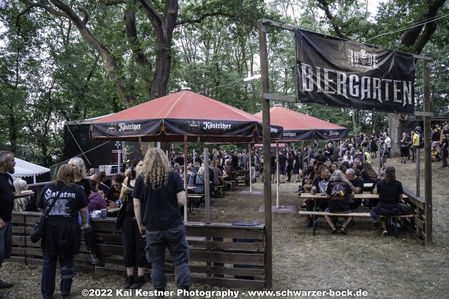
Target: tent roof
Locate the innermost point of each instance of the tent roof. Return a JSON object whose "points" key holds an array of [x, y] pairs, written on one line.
{"points": [[181, 105], [25, 169], [299, 126], [184, 113], [292, 120]]}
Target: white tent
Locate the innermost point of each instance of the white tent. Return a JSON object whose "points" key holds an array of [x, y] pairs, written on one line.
{"points": [[26, 169]]}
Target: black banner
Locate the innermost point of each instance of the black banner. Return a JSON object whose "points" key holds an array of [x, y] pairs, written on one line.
{"points": [[126, 128], [331, 134], [208, 127], [297, 135], [344, 73]]}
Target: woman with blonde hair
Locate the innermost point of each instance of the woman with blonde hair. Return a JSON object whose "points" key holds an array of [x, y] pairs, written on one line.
{"points": [[62, 234], [79, 172], [158, 194]]}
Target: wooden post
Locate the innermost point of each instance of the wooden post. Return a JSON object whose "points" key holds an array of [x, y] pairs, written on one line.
{"points": [[277, 175], [428, 156], [266, 155], [303, 154], [250, 168], [186, 177], [206, 184]]}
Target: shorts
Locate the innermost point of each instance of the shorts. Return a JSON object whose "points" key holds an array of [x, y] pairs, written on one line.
{"points": [[404, 151]]}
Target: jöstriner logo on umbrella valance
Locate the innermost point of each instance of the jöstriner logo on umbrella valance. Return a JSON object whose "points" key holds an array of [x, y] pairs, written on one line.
{"points": [[344, 73]]}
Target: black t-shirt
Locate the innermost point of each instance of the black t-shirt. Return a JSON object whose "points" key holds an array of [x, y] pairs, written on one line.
{"points": [[159, 207], [436, 136], [179, 160], [282, 160], [85, 185], [320, 184], [406, 141], [358, 183], [71, 200], [338, 201], [6, 196], [389, 193], [298, 159]]}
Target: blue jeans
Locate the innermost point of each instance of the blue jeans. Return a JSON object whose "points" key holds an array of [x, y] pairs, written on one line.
{"points": [[49, 275], [175, 240], [5, 242]]}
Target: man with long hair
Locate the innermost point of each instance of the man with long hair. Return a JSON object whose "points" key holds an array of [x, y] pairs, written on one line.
{"points": [[7, 164], [158, 193]]}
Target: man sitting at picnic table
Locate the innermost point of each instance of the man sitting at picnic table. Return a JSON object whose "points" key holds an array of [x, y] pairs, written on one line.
{"points": [[356, 184], [319, 185], [339, 192]]}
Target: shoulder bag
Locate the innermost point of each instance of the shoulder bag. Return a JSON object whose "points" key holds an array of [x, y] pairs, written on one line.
{"points": [[38, 229]]}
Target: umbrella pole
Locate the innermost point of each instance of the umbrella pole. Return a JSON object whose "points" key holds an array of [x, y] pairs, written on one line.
{"points": [[277, 175], [206, 184], [250, 168], [185, 176]]}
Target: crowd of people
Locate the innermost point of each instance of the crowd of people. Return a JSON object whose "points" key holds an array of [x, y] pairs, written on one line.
{"points": [[150, 192]]}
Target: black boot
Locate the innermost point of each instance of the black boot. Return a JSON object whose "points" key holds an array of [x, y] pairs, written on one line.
{"points": [[129, 280], [90, 244], [138, 282]]}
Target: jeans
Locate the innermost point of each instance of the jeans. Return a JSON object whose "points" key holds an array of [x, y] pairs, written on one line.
{"points": [[49, 273], [175, 240], [5, 242]]}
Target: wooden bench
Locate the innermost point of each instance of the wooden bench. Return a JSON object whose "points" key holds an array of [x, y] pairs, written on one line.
{"points": [[218, 190], [194, 200], [231, 184], [315, 215]]}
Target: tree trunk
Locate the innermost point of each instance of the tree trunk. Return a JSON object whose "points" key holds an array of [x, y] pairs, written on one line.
{"points": [[397, 123]]}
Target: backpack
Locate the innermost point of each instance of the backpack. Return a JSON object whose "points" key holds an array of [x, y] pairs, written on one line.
{"points": [[338, 192]]}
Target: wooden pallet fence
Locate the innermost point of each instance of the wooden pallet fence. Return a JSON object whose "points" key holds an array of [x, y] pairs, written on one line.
{"points": [[221, 254]]}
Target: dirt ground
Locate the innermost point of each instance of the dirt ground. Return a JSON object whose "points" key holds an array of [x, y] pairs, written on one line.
{"points": [[385, 267]]}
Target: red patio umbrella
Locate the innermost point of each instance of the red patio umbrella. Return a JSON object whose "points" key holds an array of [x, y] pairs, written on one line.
{"points": [[181, 115], [299, 126]]}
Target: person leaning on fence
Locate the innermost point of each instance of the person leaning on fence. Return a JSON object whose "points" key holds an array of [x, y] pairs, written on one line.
{"points": [[339, 193], [390, 192], [133, 242], [158, 194], [62, 234], [7, 164]]}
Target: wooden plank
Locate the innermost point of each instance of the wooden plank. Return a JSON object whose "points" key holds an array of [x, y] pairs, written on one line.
{"points": [[17, 259], [229, 282], [227, 257], [20, 251], [419, 222], [109, 249], [210, 270], [18, 240], [18, 230], [235, 246], [17, 219]]}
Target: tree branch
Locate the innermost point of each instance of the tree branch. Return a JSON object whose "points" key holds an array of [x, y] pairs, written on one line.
{"points": [[85, 13], [325, 7], [33, 5], [202, 17], [152, 14], [112, 3], [413, 36]]}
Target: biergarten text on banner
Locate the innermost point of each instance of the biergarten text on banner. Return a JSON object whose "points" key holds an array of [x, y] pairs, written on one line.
{"points": [[344, 73]]}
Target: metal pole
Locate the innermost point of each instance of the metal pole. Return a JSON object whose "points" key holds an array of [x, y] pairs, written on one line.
{"points": [[266, 155], [185, 176], [303, 154], [250, 166], [427, 154], [206, 184], [418, 172], [277, 175]]}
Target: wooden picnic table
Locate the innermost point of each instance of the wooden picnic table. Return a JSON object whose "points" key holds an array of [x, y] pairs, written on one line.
{"points": [[358, 195]]}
